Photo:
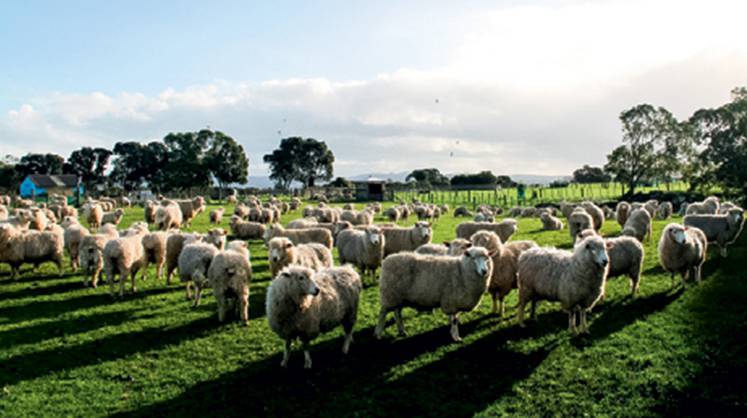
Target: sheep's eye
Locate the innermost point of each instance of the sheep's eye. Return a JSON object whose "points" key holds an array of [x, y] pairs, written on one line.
{"points": [[588, 247], [300, 278]]}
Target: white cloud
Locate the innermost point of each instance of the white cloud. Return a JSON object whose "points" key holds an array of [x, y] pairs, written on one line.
{"points": [[533, 89]]}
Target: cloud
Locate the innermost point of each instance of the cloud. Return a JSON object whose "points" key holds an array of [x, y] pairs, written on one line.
{"points": [[529, 89]]}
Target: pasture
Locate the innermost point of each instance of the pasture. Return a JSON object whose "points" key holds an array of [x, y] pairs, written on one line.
{"points": [[70, 350]]}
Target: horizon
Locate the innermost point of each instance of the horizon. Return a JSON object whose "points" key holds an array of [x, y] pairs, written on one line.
{"points": [[517, 87]]}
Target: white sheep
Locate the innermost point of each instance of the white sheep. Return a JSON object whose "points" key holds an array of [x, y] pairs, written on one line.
{"points": [[625, 256], [194, 261], [246, 229], [35, 247], [91, 252], [94, 214], [721, 229], [125, 256], [73, 236], [683, 250], [216, 216], [301, 304], [229, 275], [621, 212], [455, 284], [575, 279], [113, 218], [191, 208], [550, 222], [364, 249], [597, 214], [282, 252], [455, 247], [664, 211], [303, 223], [299, 236], [638, 225], [710, 206], [504, 229], [168, 216], [578, 221], [398, 239]]}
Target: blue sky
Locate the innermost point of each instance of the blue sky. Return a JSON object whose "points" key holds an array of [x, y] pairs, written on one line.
{"points": [[513, 87]]}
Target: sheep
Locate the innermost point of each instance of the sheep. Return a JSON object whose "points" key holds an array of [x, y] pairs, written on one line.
{"points": [[504, 229], [232, 200], [638, 225], [39, 220], [302, 304], [3, 213], [94, 214], [575, 279], [216, 216], [246, 230], [357, 218], [191, 208], [651, 207], [550, 222], [528, 212], [125, 256], [398, 239], [462, 211], [579, 220], [230, 274], [393, 214], [364, 249], [299, 236], [113, 218], [282, 252], [483, 217], [194, 261], [710, 206], [241, 210], [21, 219], [725, 207], [622, 210], [73, 236], [683, 250], [625, 257], [36, 247], [721, 229], [150, 212], [664, 211], [154, 245], [608, 212], [91, 252], [303, 223], [596, 213], [174, 246], [455, 247], [505, 259], [444, 208], [455, 284], [295, 203], [168, 216]]}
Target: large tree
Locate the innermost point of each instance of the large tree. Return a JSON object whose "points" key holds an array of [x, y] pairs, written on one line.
{"points": [[302, 159], [40, 164], [137, 164], [187, 166], [589, 174], [89, 164], [427, 177], [226, 160], [483, 178]]}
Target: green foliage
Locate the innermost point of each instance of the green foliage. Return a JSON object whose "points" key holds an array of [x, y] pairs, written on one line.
{"points": [[589, 174], [340, 182], [483, 178], [89, 164], [305, 160], [39, 164], [227, 160], [427, 178], [137, 164]]}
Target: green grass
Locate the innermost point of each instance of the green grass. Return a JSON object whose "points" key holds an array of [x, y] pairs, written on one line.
{"points": [[73, 351]]}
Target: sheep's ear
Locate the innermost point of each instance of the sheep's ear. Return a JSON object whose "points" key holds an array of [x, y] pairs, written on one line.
{"points": [[289, 245], [469, 245], [492, 253], [608, 245], [447, 244]]}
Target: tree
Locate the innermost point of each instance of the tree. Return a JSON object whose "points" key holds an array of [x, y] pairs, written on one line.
{"points": [[305, 160], [483, 178], [226, 160], [39, 164], [186, 165], [505, 181], [137, 163], [89, 164], [340, 182], [427, 177], [589, 174]]}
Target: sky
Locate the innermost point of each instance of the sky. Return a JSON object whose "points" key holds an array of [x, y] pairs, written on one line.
{"points": [[522, 87]]}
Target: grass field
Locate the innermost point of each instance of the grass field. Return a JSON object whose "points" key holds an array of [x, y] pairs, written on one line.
{"points": [[73, 351]]}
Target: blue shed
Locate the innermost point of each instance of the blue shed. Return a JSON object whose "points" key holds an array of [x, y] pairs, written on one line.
{"points": [[36, 185]]}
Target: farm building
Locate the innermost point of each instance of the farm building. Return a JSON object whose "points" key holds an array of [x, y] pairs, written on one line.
{"points": [[36, 185], [371, 189]]}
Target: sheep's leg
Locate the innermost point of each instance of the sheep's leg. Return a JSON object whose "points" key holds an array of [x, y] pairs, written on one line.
{"points": [[348, 339], [584, 326], [159, 270], [188, 290], [13, 272], [400, 323], [306, 355], [198, 295], [144, 276], [110, 280], [133, 277], [122, 280], [60, 268], [520, 313], [494, 309], [722, 250], [220, 297], [454, 319], [381, 324], [534, 309], [244, 306], [286, 353]]}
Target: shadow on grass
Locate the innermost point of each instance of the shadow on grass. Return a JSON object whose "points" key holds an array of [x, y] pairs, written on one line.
{"points": [[41, 363], [36, 289]]}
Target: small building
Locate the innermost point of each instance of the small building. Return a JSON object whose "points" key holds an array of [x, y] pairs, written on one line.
{"points": [[371, 189], [37, 185]]}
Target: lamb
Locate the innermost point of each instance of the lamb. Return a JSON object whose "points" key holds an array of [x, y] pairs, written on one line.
{"points": [[550, 222], [597, 214], [168, 216], [282, 252], [216, 216], [455, 284], [150, 212], [94, 214], [36, 247], [579, 220], [191, 208], [73, 236], [721, 229], [664, 211], [622, 210], [364, 249], [683, 250], [299, 236], [455, 247], [504, 229], [638, 225], [91, 252], [462, 211], [113, 218], [125, 256], [398, 239], [229, 275], [302, 304], [505, 259], [245, 229], [194, 261], [625, 256], [575, 279]]}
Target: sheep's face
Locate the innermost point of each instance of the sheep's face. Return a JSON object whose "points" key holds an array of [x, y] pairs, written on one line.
{"points": [[458, 246], [678, 234], [596, 249], [423, 230], [6, 231], [300, 283], [480, 259], [486, 240], [373, 235], [217, 237], [279, 248], [736, 216]]}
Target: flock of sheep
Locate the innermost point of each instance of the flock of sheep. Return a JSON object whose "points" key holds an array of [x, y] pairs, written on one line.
{"points": [[308, 295]]}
